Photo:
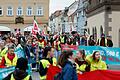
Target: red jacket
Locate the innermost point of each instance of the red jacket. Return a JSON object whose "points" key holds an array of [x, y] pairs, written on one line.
{"points": [[52, 71]]}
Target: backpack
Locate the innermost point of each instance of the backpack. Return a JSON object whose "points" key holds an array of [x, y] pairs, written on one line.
{"points": [[58, 76]]}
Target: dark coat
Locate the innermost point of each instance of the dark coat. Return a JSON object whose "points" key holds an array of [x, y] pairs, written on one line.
{"points": [[109, 43], [18, 75], [69, 71]]}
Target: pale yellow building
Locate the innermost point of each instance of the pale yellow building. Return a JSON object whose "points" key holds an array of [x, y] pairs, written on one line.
{"points": [[19, 14]]}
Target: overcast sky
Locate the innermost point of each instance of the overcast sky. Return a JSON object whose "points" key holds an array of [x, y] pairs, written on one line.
{"points": [[59, 4]]}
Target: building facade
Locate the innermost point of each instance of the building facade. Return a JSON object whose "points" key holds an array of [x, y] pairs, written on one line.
{"points": [[81, 25], [19, 14], [73, 15], [55, 21], [103, 17]]}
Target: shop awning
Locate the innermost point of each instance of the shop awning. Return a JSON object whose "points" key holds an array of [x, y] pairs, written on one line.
{"points": [[48, 28], [4, 28]]}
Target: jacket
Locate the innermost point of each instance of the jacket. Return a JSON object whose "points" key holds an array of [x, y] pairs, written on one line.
{"points": [[44, 63], [100, 65], [18, 75], [9, 57], [69, 71]]}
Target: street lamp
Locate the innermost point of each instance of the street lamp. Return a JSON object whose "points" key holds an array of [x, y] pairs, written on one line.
{"points": [[34, 10]]}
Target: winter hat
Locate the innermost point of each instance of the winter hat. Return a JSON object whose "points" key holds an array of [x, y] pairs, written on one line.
{"points": [[22, 63]]}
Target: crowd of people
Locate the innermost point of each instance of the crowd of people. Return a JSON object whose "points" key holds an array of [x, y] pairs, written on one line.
{"points": [[41, 51]]}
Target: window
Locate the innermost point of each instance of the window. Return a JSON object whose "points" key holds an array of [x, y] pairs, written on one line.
{"points": [[10, 11], [1, 11], [19, 11], [29, 11], [39, 11]]}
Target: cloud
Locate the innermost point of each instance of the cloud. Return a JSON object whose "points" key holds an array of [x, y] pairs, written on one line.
{"points": [[59, 4]]}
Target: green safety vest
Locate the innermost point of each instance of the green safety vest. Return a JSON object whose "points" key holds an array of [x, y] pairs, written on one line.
{"points": [[26, 78]]}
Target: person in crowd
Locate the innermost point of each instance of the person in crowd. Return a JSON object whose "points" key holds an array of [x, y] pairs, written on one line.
{"points": [[10, 59], [96, 62], [41, 42], [80, 60], [63, 38], [18, 49], [76, 39], [8, 41], [47, 60], [21, 39], [91, 41], [28, 49], [67, 63], [109, 42], [3, 49], [102, 41], [70, 41], [20, 71], [57, 47], [83, 40]]}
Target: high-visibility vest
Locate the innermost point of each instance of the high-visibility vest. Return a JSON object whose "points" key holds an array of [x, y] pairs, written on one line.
{"points": [[57, 43], [45, 64], [77, 68], [105, 41], [62, 39], [82, 67], [26, 78], [101, 65], [9, 63], [41, 44], [54, 61], [3, 52]]}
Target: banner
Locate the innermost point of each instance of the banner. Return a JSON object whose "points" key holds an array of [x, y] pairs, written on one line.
{"points": [[109, 55], [100, 75], [5, 71], [93, 75], [67, 47]]}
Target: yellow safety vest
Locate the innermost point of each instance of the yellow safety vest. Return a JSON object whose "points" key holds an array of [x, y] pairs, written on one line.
{"points": [[54, 61], [82, 67], [59, 48], [62, 39], [26, 78], [77, 68], [45, 64], [41, 44], [101, 65], [3, 52], [105, 41], [9, 63]]}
